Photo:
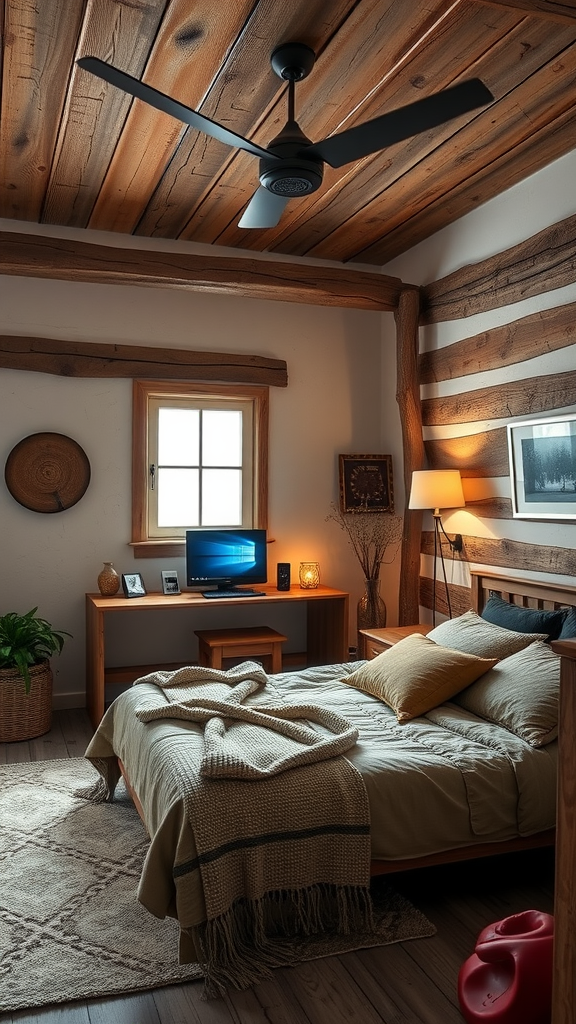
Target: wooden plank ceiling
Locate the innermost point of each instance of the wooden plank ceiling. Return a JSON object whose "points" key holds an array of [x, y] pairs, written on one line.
{"points": [[77, 152]]}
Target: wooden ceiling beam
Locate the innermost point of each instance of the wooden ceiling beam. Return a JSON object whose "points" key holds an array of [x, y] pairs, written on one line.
{"points": [[24, 255], [94, 359], [548, 8]]}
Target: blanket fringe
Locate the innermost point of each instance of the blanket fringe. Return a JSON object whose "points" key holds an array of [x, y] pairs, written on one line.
{"points": [[102, 789], [242, 946]]}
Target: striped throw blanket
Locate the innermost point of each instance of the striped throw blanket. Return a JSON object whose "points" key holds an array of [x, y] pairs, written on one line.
{"points": [[280, 820]]}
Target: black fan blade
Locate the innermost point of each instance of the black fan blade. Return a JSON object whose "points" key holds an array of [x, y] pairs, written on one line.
{"points": [[401, 124], [157, 99], [264, 210]]}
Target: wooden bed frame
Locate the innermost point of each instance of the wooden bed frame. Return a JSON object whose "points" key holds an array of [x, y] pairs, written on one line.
{"points": [[526, 594]]}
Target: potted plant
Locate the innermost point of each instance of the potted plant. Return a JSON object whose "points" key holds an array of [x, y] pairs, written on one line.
{"points": [[26, 644]]}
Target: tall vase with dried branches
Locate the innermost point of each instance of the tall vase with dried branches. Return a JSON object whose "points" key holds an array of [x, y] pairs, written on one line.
{"points": [[370, 534]]}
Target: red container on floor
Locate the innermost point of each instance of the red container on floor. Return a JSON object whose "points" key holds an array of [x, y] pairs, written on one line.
{"points": [[508, 979]]}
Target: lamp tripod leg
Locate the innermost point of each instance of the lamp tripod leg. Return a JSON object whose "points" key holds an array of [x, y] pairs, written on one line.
{"points": [[436, 538], [438, 525]]}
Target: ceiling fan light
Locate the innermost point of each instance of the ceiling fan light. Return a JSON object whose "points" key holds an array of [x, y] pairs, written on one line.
{"points": [[291, 180], [288, 181]]}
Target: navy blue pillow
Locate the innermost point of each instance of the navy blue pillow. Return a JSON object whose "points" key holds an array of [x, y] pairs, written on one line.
{"points": [[569, 627], [524, 620]]}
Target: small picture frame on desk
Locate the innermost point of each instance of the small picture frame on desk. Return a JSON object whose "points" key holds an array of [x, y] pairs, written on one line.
{"points": [[133, 585], [170, 584]]}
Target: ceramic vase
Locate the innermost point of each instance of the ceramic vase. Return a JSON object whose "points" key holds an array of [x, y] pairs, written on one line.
{"points": [[108, 580]]}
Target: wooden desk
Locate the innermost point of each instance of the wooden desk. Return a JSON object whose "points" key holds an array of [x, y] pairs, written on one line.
{"points": [[564, 972], [326, 622]]}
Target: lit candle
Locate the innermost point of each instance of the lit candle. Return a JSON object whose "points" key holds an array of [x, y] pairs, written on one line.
{"points": [[309, 575]]}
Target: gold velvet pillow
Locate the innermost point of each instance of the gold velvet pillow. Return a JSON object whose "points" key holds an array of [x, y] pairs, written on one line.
{"points": [[417, 674]]}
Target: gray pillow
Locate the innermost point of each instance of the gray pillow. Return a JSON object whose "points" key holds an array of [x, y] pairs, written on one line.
{"points": [[523, 620], [520, 693], [473, 635]]}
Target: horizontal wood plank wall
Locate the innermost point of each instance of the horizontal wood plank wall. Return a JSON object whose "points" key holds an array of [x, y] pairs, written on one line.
{"points": [[538, 265]]}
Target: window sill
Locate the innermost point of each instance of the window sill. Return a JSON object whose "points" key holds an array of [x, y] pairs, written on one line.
{"points": [[158, 548]]}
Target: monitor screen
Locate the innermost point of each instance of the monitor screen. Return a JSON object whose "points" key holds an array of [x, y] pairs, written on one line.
{"points": [[225, 558]]}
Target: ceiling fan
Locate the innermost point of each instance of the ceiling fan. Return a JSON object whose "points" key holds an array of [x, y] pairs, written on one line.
{"points": [[292, 165]]}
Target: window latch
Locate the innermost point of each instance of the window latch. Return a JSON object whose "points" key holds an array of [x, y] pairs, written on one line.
{"points": [[152, 476]]}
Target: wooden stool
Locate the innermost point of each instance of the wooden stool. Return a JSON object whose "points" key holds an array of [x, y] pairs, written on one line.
{"points": [[216, 644]]}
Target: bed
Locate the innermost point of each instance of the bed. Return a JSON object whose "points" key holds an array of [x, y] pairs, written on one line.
{"points": [[462, 767]]}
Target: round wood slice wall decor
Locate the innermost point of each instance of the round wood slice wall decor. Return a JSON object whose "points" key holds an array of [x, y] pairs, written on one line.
{"points": [[47, 472]]}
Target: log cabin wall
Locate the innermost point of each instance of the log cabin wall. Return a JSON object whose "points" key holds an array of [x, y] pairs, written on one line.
{"points": [[497, 346]]}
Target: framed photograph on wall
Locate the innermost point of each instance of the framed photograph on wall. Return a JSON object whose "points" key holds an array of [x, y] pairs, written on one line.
{"points": [[366, 483], [133, 585], [170, 584], [542, 457]]}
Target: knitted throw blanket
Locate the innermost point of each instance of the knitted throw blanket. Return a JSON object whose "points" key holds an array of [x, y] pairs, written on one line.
{"points": [[281, 822], [245, 741]]}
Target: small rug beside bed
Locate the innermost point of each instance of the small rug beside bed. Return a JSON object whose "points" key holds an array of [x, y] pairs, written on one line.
{"points": [[71, 926]]}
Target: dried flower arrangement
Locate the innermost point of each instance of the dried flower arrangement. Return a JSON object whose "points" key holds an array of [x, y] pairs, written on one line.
{"points": [[370, 535]]}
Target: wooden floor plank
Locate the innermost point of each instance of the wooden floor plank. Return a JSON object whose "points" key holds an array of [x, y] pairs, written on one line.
{"points": [[74, 1013], [17, 753], [185, 1004], [51, 746], [329, 995], [133, 1009], [77, 730], [271, 1002], [414, 996]]}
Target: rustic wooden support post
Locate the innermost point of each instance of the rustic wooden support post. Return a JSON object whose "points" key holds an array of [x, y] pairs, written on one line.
{"points": [[408, 398]]}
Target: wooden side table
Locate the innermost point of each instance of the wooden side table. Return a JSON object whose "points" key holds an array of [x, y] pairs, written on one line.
{"points": [[375, 641], [216, 644]]}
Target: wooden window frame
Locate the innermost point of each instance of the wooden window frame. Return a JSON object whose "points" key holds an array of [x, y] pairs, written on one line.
{"points": [[145, 547]]}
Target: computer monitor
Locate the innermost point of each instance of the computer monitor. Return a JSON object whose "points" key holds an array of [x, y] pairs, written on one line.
{"points": [[225, 559]]}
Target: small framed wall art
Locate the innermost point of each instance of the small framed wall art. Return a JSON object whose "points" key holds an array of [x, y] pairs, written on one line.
{"points": [[542, 457], [170, 583], [366, 483], [133, 585]]}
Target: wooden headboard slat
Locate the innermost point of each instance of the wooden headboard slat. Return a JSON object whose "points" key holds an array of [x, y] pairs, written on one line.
{"points": [[522, 592]]}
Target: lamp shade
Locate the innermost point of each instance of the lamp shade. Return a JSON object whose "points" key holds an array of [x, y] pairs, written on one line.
{"points": [[436, 489]]}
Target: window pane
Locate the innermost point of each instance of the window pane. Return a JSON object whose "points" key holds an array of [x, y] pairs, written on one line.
{"points": [[178, 437], [221, 437], [221, 497], [178, 497]]}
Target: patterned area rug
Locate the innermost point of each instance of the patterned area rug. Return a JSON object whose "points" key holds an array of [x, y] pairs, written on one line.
{"points": [[71, 926]]}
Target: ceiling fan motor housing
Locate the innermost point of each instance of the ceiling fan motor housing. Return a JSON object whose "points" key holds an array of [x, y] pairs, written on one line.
{"points": [[295, 173]]}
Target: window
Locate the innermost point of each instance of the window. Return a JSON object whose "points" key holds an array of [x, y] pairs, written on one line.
{"points": [[200, 454]]}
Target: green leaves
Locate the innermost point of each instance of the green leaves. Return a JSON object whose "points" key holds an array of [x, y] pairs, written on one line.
{"points": [[26, 640]]}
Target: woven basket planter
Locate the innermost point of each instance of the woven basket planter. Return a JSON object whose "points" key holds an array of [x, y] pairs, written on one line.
{"points": [[25, 715]]}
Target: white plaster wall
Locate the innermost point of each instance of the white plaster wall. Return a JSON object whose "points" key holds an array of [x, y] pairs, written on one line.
{"points": [[331, 405], [522, 211]]}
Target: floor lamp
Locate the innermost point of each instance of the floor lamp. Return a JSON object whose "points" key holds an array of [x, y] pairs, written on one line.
{"points": [[435, 489]]}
